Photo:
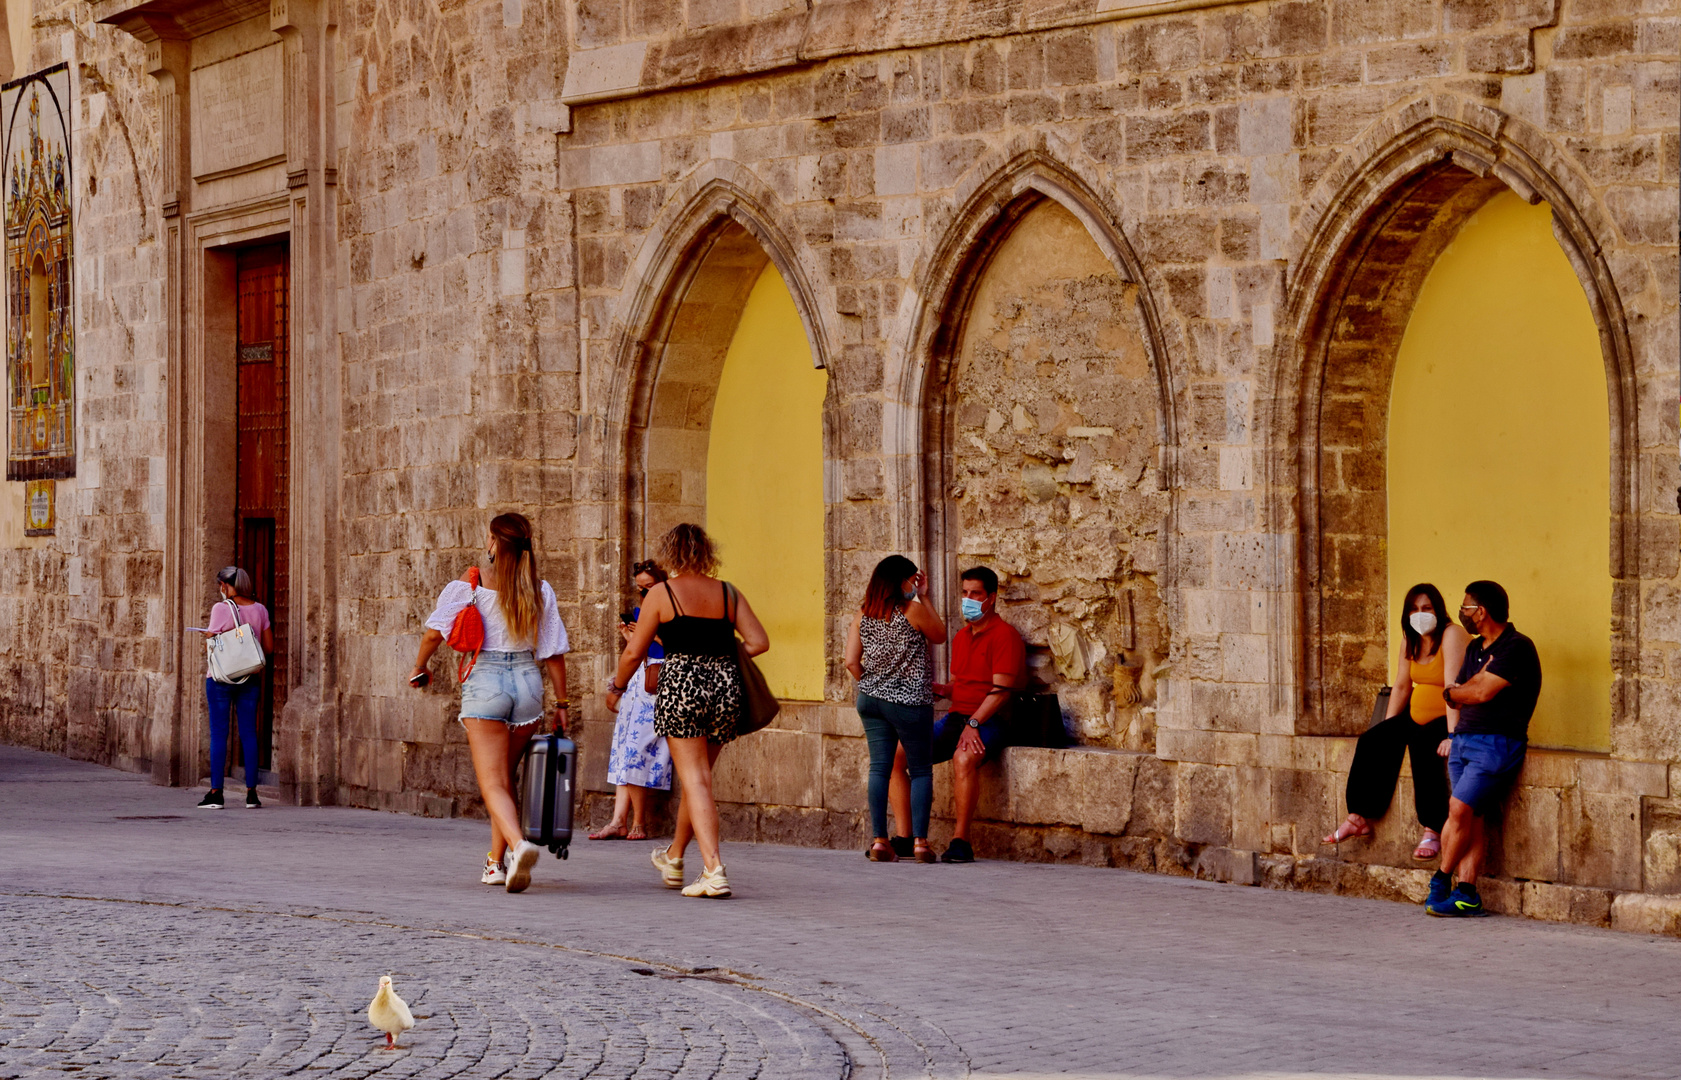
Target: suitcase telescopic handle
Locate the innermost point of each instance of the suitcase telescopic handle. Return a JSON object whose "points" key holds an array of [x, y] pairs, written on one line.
{"points": [[550, 767]]}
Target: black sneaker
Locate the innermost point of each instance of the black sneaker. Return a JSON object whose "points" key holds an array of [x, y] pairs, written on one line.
{"points": [[251, 800], [903, 846], [212, 800], [958, 851]]}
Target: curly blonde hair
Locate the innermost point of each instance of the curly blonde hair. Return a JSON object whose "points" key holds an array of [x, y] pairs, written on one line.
{"points": [[686, 549]]}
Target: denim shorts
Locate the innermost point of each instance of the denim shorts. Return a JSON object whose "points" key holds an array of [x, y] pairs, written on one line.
{"points": [[949, 728], [505, 686], [1482, 767]]}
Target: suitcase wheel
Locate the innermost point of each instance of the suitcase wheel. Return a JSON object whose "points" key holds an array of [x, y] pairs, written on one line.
{"points": [[565, 851]]}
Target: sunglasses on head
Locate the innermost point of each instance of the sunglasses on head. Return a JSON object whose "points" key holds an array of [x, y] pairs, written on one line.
{"points": [[646, 566]]}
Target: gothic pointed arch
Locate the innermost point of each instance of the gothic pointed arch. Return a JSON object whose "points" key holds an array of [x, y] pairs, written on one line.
{"points": [[717, 304], [1371, 233], [686, 289], [1035, 377], [1000, 193]]}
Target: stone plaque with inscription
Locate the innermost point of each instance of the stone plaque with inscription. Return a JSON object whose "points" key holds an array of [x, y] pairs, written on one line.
{"points": [[237, 122]]}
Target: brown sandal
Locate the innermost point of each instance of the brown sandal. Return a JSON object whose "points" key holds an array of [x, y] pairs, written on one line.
{"points": [[881, 851], [925, 854]]}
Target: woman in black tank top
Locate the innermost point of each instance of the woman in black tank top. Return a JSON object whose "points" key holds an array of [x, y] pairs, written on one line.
{"points": [[702, 698], [694, 635]]}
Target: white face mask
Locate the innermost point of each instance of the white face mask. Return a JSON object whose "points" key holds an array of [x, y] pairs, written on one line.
{"points": [[1423, 621]]}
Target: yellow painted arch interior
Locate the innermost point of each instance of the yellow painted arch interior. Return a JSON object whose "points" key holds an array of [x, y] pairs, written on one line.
{"points": [[1499, 456], [764, 483]]}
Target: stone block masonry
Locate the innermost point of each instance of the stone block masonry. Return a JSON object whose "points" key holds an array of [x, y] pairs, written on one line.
{"points": [[1108, 300]]}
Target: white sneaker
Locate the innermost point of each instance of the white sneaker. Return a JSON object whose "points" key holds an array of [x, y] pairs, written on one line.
{"points": [[493, 874], [520, 861], [712, 883], [671, 870]]}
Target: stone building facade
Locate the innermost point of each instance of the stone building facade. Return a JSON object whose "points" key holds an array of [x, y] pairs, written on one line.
{"points": [[1109, 293]]}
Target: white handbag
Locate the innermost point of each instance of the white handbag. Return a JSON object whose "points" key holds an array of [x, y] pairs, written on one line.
{"points": [[234, 655]]}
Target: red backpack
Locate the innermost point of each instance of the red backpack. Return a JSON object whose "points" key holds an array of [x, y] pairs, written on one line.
{"points": [[466, 634]]}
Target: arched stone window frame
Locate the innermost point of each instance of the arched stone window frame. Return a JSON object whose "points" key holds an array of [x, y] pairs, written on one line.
{"points": [[715, 205], [1448, 158], [997, 193]]}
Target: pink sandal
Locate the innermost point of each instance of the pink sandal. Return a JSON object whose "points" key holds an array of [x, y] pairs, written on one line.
{"points": [[1429, 846], [1349, 830]]}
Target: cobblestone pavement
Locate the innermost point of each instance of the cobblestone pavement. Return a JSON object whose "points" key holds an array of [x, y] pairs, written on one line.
{"points": [[141, 938]]}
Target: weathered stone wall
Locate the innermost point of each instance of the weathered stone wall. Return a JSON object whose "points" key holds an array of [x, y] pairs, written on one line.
{"points": [[80, 656], [1241, 168], [460, 354], [1162, 417], [1052, 452]]}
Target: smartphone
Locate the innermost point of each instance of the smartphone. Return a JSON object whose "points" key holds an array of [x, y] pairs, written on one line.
{"points": [[421, 679]]}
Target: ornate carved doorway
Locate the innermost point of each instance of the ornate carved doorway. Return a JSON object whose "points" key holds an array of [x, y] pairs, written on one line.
{"points": [[262, 450]]}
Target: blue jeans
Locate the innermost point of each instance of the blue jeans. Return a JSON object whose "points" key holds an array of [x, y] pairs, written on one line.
{"points": [[244, 700], [886, 727]]}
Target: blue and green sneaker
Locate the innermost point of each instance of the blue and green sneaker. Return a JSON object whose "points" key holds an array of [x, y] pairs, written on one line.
{"points": [[1462, 902], [1440, 885]]}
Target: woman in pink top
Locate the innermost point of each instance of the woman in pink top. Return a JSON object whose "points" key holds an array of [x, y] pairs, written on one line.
{"points": [[241, 698]]}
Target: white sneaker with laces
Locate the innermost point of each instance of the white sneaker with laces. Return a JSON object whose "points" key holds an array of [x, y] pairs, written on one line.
{"points": [[712, 883], [671, 870], [493, 874], [520, 861]]}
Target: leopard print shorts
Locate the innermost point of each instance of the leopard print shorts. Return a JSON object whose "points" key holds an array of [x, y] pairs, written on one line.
{"points": [[700, 697]]}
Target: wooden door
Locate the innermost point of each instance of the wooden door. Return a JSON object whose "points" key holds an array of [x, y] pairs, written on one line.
{"points": [[263, 463]]}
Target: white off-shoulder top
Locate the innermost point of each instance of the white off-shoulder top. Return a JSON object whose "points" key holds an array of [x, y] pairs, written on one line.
{"points": [[551, 632]]}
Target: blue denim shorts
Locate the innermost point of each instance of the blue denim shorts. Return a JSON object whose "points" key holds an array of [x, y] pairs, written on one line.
{"points": [[949, 728], [505, 686], [1482, 767]]}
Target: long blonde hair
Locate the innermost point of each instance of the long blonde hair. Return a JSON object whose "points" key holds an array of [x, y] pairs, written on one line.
{"points": [[518, 589]]}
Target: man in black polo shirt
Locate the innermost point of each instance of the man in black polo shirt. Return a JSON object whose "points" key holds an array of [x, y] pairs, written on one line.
{"points": [[1495, 694]]}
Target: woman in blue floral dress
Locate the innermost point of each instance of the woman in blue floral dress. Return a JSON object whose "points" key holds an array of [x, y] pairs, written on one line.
{"points": [[640, 759]]}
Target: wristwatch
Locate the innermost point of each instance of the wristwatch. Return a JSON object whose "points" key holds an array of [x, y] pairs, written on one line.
{"points": [[976, 724], [1447, 695]]}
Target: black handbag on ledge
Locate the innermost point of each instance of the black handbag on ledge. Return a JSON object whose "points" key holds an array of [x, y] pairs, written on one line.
{"points": [[1036, 720], [1380, 707]]}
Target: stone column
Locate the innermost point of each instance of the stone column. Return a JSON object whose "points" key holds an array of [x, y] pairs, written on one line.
{"points": [[174, 736], [310, 721]]}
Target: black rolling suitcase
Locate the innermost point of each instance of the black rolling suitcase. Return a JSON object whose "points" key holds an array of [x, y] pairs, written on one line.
{"points": [[545, 797]]}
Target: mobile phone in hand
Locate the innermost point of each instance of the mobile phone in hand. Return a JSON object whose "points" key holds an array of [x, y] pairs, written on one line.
{"points": [[420, 679]]}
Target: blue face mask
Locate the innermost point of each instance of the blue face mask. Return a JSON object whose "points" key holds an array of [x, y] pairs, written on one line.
{"points": [[971, 609], [908, 594]]}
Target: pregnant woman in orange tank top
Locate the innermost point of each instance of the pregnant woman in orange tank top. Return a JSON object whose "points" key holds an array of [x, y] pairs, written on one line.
{"points": [[1417, 724]]}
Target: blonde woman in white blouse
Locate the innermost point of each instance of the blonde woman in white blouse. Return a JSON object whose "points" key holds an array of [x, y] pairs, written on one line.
{"points": [[502, 698]]}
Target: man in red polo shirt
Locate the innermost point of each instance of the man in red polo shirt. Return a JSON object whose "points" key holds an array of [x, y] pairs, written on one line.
{"points": [[988, 663]]}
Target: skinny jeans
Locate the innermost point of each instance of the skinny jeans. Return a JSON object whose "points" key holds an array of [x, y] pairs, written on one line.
{"points": [[1377, 769], [242, 699], [887, 726]]}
